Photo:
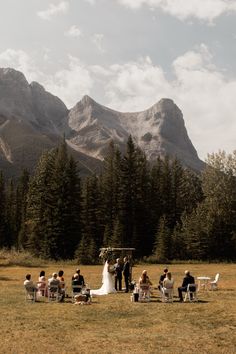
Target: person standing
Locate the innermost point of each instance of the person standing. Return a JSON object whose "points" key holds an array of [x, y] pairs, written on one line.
{"points": [[118, 274], [126, 273]]}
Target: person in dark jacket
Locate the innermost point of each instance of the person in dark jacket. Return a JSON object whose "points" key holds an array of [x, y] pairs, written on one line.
{"points": [[126, 273], [188, 279], [162, 277], [118, 267]]}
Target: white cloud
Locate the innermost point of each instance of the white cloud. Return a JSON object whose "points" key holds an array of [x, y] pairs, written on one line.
{"points": [[72, 83], [20, 60], [54, 10], [134, 85], [203, 93], [206, 10], [91, 2], [98, 41], [73, 31]]}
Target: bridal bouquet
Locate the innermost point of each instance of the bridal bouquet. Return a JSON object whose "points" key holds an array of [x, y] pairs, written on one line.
{"points": [[111, 270]]}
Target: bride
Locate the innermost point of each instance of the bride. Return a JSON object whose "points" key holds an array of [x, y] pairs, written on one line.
{"points": [[107, 280]]}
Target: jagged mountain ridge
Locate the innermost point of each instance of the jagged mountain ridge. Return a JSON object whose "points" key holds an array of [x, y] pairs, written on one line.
{"points": [[33, 120], [159, 130]]}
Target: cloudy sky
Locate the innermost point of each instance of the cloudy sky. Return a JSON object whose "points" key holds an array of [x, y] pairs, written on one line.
{"points": [[128, 54]]}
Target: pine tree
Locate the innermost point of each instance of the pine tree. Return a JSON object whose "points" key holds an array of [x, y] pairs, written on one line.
{"points": [[111, 186], [92, 228], [41, 238], [3, 241], [127, 200], [21, 197], [162, 248], [11, 231]]}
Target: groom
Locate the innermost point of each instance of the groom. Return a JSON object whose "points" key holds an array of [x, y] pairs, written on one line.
{"points": [[126, 273]]}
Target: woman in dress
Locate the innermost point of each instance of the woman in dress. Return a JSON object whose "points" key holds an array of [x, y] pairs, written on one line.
{"points": [[144, 279], [107, 280]]}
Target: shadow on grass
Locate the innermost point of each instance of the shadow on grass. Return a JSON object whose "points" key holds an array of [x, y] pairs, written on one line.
{"points": [[2, 278]]}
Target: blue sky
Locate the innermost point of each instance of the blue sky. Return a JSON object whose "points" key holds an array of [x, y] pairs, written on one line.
{"points": [[128, 54]]}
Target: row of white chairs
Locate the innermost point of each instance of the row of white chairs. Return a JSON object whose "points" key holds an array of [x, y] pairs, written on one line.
{"points": [[54, 293], [167, 295]]}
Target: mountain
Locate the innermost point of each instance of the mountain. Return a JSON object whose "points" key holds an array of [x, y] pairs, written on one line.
{"points": [[159, 130], [33, 120]]}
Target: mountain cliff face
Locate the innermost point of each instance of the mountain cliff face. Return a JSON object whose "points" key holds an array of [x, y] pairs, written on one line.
{"points": [[159, 130], [33, 120]]}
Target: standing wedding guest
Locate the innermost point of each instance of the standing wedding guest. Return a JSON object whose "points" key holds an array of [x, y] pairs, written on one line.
{"points": [[188, 279], [118, 267], [126, 273]]}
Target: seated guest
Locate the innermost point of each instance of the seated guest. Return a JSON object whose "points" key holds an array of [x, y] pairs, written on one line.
{"points": [[144, 279], [77, 284], [168, 283], [80, 278], [61, 278], [188, 279], [29, 285], [54, 285], [162, 277], [42, 285]]}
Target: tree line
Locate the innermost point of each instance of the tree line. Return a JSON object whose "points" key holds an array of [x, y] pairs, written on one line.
{"points": [[162, 209]]}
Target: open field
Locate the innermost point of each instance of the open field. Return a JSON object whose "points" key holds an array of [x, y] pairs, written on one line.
{"points": [[114, 324]]}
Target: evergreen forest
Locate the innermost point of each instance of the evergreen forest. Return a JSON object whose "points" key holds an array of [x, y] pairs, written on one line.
{"points": [[163, 210]]}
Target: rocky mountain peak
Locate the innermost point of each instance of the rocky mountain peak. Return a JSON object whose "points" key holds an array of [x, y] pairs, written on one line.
{"points": [[12, 76], [87, 101], [36, 86]]}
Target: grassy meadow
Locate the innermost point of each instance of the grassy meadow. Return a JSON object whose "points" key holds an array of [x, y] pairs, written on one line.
{"points": [[114, 324]]}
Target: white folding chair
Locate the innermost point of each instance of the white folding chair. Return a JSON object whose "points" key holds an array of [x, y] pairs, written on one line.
{"points": [[144, 292], [42, 288], [214, 283], [167, 294], [191, 293], [30, 294], [76, 290], [53, 293]]}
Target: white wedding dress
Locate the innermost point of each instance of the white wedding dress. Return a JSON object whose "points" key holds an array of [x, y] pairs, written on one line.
{"points": [[107, 283]]}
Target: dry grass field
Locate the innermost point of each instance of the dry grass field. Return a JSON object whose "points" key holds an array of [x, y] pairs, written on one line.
{"points": [[114, 324]]}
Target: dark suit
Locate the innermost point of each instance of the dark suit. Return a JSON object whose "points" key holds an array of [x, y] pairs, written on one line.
{"points": [[126, 273], [118, 275], [188, 279]]}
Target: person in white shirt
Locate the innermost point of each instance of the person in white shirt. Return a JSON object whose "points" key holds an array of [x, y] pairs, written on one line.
{"points": [[30, 286], [168, 284]]}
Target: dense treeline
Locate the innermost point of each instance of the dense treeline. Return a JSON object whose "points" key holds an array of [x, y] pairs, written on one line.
{"points": [[163, 210]]}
